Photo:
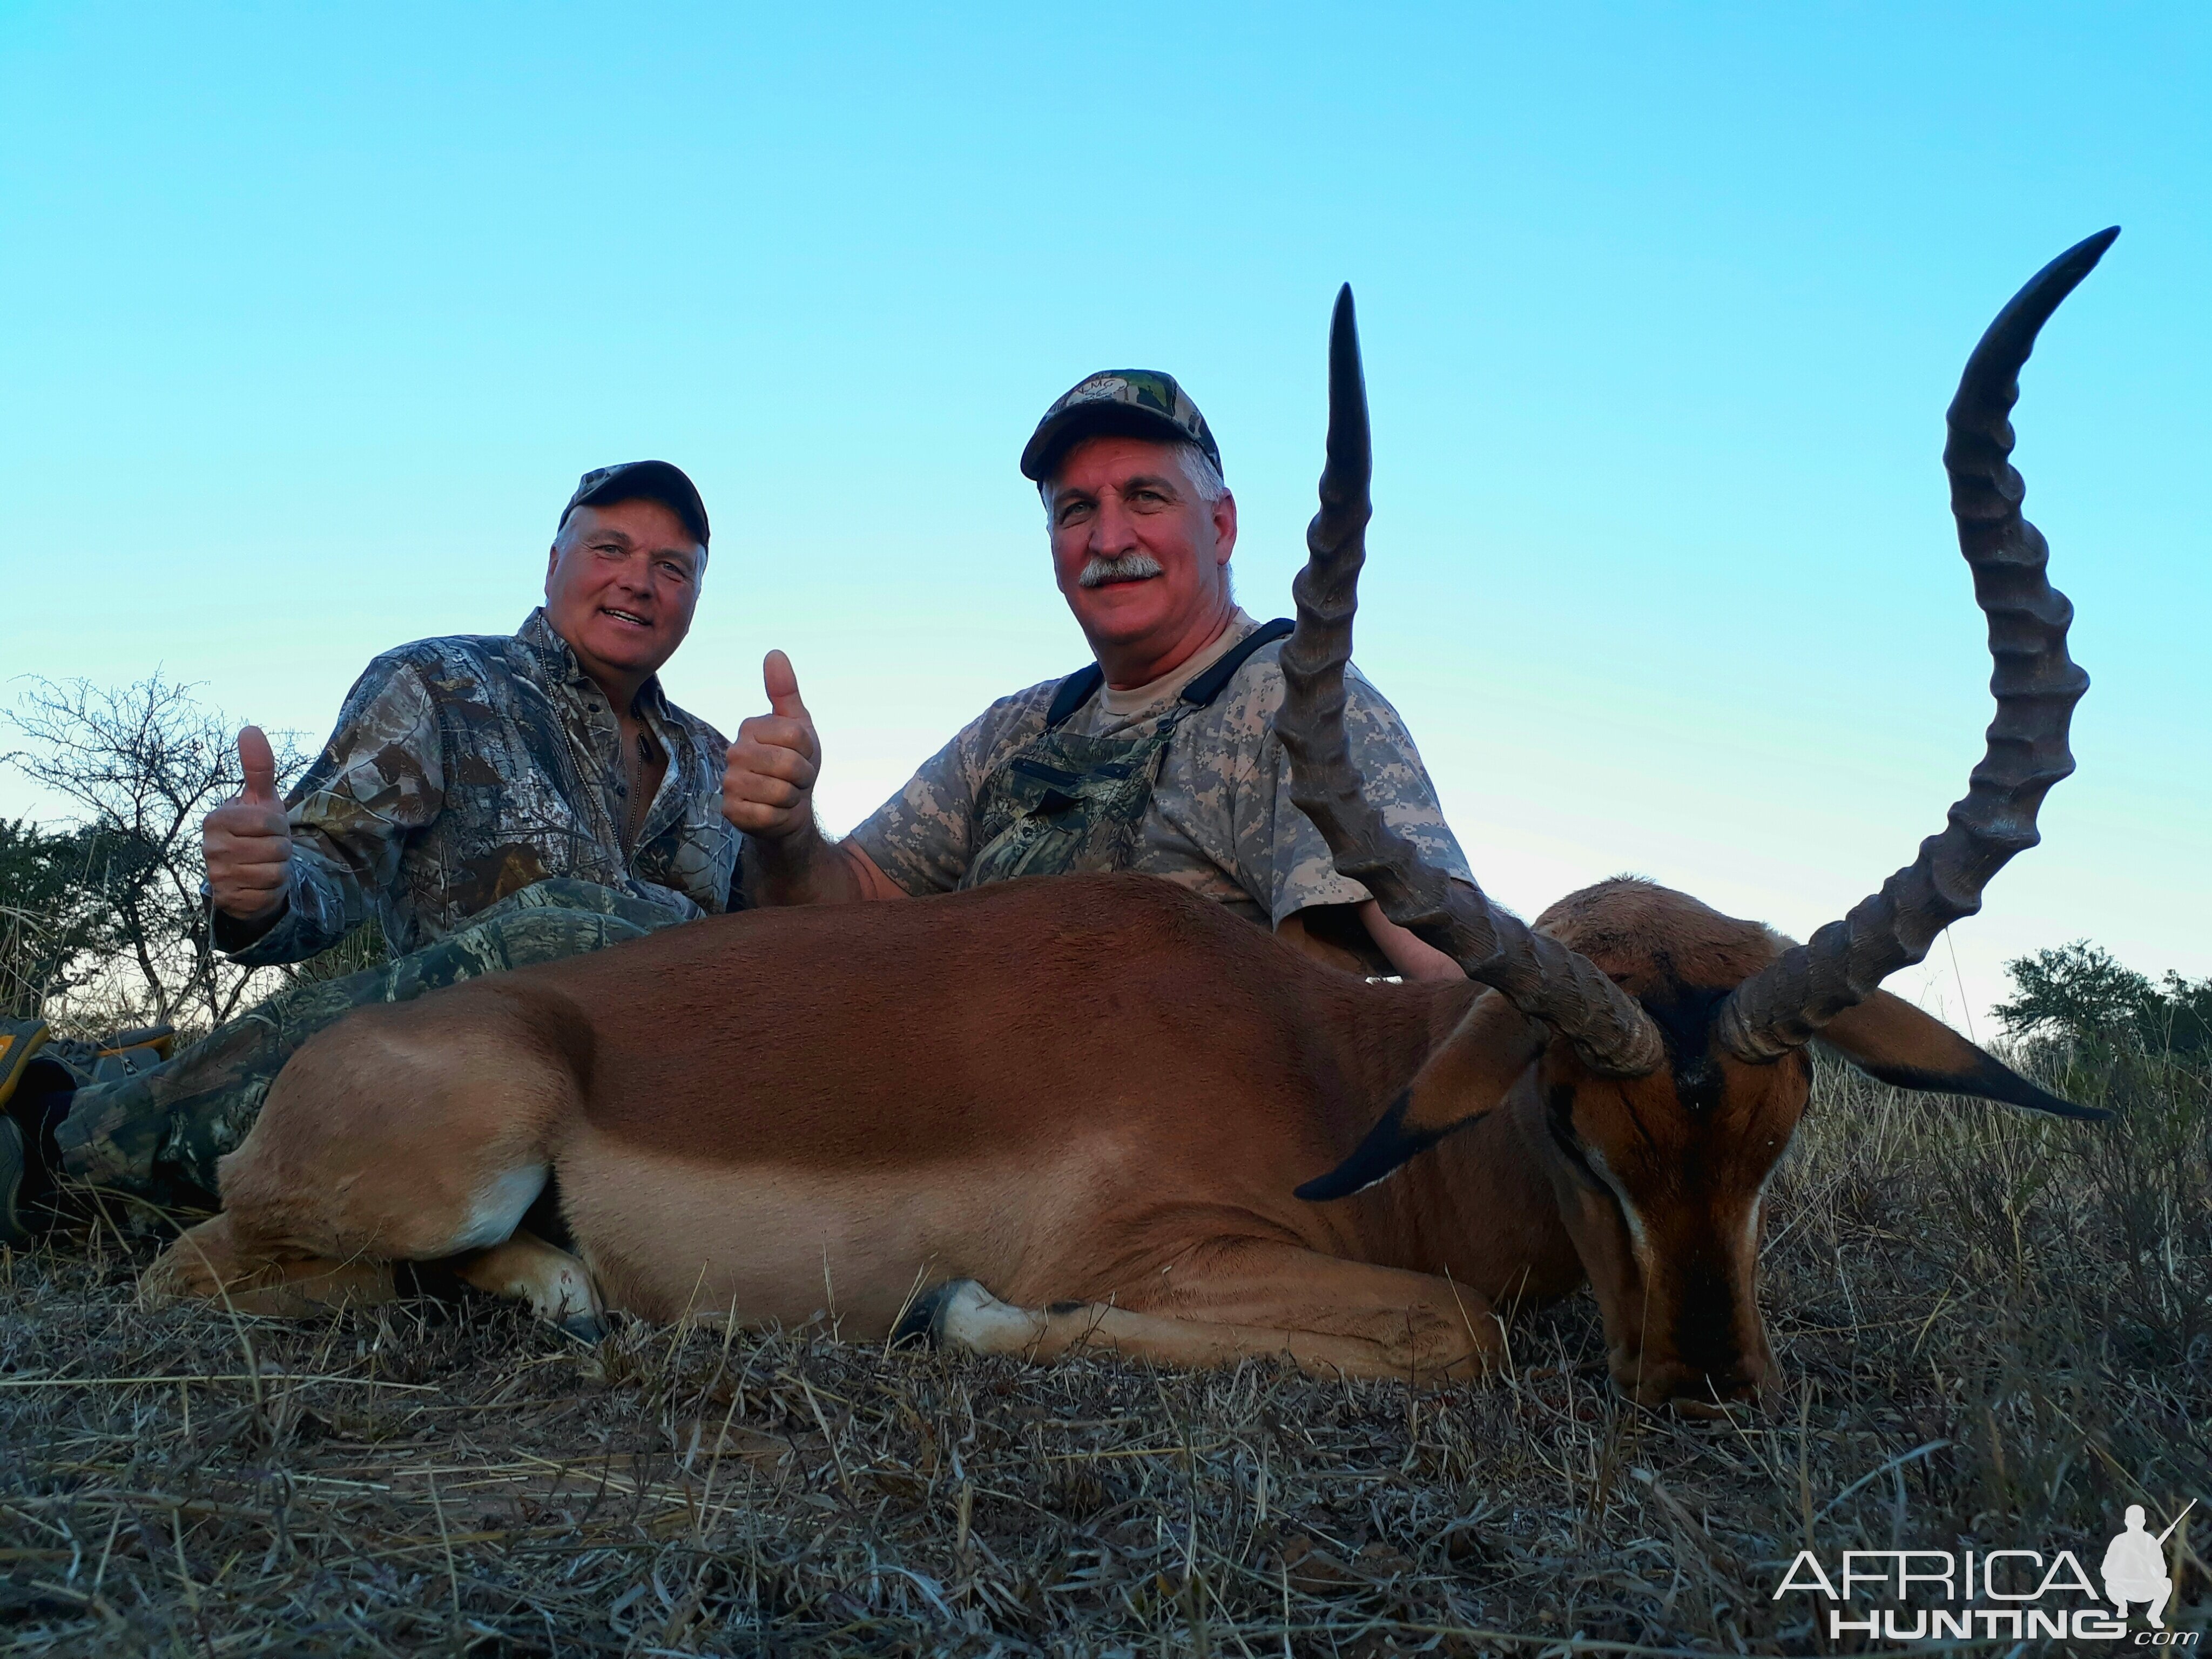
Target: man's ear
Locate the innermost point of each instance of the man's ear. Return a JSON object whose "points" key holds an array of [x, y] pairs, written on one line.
{"points": [[1467, 1077], [1892, 1040], [1223, 513]]}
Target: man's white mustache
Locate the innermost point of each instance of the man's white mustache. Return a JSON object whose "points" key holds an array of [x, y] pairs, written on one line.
{"points": [[1129, 568]]}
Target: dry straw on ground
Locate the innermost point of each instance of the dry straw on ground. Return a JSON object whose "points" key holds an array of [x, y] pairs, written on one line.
{"points": [[1994, 1331]]}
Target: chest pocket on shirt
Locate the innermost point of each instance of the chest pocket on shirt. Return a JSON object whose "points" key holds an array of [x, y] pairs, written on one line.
{"points": [[1064, 803], [1067, 804]]}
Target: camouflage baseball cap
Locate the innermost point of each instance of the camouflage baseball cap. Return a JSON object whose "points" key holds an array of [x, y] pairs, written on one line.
{"points": [[646, 481], [1140, 402]]}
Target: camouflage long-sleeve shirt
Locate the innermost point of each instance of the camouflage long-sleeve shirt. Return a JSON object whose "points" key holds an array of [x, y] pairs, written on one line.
{"points": [[465, 768], [1220, 820]]}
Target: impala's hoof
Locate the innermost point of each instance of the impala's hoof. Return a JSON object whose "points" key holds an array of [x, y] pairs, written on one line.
{"points": [[961, 1314], [922, 1324]]}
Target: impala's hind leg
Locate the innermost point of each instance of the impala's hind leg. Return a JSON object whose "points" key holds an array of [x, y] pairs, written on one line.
{"points": [[412, 1132], [211, 1262], [1245, 1300]]}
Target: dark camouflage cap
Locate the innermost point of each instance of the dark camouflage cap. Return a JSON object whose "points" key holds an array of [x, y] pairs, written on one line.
{"points": [[646, 481], [1141, 403]]}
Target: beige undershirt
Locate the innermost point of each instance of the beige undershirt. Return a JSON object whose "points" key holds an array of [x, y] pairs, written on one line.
{"points": [[1137, 698]]}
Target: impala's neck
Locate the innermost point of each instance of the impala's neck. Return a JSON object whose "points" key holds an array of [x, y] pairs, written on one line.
{"points": [[1483, 1197], [1480, 1204]]}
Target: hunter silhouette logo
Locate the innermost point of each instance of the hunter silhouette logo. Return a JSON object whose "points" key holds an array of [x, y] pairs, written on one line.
{"points": [[2134, 1565]]}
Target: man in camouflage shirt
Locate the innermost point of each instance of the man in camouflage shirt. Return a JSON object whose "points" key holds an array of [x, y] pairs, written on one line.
{"points": [[1161, 757], [464, 769], [489, 802]]}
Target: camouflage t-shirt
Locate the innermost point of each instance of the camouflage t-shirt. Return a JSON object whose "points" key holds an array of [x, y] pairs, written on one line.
{"points": [[465, 768], [1220, 820]]}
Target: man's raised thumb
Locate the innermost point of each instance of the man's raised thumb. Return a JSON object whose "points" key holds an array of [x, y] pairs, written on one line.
{"points": [[259, 763], [782, 685]]}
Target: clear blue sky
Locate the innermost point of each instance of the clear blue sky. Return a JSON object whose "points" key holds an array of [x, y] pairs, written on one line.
{"points": [[310, 316]]}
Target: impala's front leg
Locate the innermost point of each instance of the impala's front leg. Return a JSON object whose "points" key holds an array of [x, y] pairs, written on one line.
{"points": [[1247, 1300], [526, 1268]]}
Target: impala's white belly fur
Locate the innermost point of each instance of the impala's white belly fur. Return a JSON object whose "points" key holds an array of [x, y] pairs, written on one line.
{"points": [[776, 1244], [497, 1207]]}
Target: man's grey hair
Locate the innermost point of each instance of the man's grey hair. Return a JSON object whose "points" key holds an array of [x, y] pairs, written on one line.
{"points": [[1198, 470], [1205, 477]]}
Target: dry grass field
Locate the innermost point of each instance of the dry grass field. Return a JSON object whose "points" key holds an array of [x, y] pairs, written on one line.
{"points": [[1994, 1331]]}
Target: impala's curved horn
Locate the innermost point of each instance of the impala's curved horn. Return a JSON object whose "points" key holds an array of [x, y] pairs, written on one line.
{"points": [[1540, 976], [2036, 684]]}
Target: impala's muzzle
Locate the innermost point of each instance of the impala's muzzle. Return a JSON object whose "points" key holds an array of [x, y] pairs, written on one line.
{"points": [[1703, 1347]]}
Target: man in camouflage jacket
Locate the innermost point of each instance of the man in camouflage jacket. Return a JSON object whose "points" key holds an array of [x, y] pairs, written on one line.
{"points": [[487, 802], [1160, 756], [464, 769]]}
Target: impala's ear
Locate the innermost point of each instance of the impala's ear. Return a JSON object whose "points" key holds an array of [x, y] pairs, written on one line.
{"points": [[1464, 1079], [1889, 1039]]}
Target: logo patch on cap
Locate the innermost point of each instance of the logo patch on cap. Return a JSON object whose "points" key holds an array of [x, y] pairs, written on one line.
{"points": [[1105, 402]]}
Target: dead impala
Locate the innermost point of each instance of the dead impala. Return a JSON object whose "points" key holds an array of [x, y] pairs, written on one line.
{"points": [[1098, 1110]]}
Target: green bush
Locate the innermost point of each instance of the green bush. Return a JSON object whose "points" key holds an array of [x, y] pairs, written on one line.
{"points": [[2077, 998], [58, 923]]}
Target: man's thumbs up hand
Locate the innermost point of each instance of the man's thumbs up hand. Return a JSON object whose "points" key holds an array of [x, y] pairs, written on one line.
{"points": [[247, 840], [259, 763], [768, 782], [781, 682]]}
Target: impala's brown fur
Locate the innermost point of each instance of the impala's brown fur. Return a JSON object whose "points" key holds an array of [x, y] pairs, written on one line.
{"points": [[992, 1124]]}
